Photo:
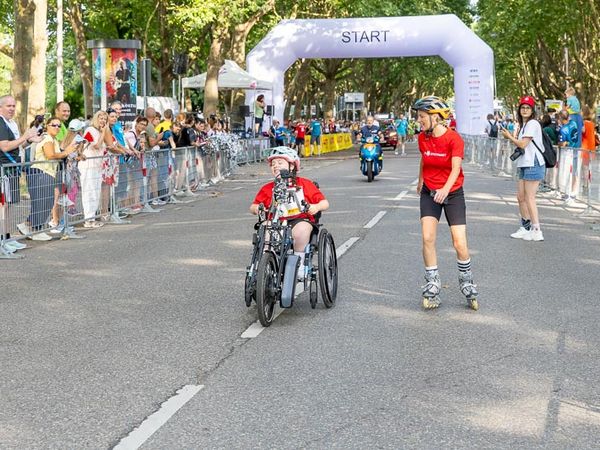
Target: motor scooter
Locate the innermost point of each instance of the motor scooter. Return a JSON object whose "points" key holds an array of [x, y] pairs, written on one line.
{"points": [[371, 157]]}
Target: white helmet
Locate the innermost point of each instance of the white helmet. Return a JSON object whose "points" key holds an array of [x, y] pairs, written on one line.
{"points": [[289, 154]]}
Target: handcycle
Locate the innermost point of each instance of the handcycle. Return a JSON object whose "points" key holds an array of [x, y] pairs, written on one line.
{"points": [[272, 274]]}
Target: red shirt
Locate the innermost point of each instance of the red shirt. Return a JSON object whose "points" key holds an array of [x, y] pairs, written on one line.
{"points": [[300, 131], [312, 195], [437, 153]]}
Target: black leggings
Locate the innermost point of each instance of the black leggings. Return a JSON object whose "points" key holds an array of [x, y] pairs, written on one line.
{"points": [[454, 207], [41, 190]]}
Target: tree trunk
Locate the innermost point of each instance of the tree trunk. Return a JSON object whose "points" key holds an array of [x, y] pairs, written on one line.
{"points": [[75, 17], [37, 85], [237, 46], [214, 63], [23, 54]]}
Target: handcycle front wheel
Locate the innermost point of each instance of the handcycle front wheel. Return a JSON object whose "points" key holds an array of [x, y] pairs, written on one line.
{"points": [[249, 290], [266, 288], [328, 271]]}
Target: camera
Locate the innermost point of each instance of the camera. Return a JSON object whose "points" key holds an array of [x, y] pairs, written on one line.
{"points": [[517, 154], [285, 174], [40, 130]]}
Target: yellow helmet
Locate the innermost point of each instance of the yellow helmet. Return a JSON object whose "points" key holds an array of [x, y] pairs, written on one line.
{"points": [[432, 105]]}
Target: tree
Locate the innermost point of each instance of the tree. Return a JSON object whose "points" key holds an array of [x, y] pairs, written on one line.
{"points": [[529, 41]]}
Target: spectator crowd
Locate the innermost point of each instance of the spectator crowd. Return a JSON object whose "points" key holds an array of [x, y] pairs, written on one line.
{"points": [[59, 159]]}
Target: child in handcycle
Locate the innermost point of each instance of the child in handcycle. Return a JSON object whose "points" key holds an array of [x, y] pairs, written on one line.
{"points": [[285, 158]]}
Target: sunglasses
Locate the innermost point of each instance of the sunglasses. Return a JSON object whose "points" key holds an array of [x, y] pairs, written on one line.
{"points": [[54, 125]]}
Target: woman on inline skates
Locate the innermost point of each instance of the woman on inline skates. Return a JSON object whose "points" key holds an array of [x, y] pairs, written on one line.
{"points": [[285, 158], [440, 188]]}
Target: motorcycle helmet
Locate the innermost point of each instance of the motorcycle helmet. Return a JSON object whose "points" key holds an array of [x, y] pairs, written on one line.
{"points": [[527, 100], [289, 154], [432, 105]]}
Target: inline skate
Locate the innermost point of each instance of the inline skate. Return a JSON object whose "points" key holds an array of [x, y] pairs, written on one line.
{"points": [[431, 291], [468, 289]]}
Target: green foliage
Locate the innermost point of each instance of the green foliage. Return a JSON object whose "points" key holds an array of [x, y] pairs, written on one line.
{"points": [[5, 69], [529, 38]]}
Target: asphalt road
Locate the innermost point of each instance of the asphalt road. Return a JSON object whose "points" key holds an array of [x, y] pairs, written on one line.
{"points": [[97, 334]]}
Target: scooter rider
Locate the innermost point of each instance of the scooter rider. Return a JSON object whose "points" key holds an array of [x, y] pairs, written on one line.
{"points": [[369, 130]]}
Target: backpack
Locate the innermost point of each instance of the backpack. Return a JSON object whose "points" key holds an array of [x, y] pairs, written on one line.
{"points": [[493, 133], [549, 152]]}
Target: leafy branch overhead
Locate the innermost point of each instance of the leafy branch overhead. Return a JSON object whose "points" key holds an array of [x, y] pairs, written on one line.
{"points": [[530, 41]]}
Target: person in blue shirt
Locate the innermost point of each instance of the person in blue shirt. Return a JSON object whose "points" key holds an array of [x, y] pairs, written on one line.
{"points": [[402, 130], [370, 130], [574, 109], [119, 134], [316, 129], [568, 136], [279, 132]]}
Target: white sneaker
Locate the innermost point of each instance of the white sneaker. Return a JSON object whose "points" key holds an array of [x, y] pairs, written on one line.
{"points": [[24, 229], [396, 152], [41, 237], [534, 235], [92, 224], [10, 247], [7, 249], [570, 201], [57, 230], [16, 245], [520, 233]]}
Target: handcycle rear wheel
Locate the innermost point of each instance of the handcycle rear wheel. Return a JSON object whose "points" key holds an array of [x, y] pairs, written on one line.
{"points": [[266, 288], [328, 272]]}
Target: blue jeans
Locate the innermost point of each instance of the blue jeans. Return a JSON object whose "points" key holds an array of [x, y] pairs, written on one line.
{"points": [[535, 173]]}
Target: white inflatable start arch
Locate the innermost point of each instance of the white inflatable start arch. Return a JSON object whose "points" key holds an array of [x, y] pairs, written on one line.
{"points": [[444, 35]]}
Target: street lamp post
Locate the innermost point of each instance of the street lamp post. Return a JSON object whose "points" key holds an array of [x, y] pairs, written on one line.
{"points": [[60, 90]]}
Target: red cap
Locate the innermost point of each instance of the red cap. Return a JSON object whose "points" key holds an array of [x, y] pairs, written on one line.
{"points": [[527, 100]]}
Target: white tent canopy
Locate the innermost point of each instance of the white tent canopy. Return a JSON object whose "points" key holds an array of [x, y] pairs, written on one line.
{"points": [[231, 76]]}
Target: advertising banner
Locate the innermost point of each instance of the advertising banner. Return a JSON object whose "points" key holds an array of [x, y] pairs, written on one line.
{"points": [[333, 142], [115, 69]]}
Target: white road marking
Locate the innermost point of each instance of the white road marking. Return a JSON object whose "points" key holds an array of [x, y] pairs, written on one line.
{"points": [[401, 195], [253, 330], [415, 182], [346, 246], [153, 422], [375, 219]]}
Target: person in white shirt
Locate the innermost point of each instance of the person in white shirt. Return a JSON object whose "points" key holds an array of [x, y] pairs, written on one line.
{"points": [[531, 169], [11, 141]]}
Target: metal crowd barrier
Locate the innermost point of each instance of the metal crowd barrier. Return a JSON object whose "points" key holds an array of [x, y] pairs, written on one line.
{"points": [[109, 188], [576, 175]]}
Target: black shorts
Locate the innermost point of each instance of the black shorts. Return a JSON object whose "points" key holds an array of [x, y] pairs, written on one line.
{"points": [[293, 222], [455, 208]]}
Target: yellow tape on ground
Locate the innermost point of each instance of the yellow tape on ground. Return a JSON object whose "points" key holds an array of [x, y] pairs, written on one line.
{"points": [[329, 143]]}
